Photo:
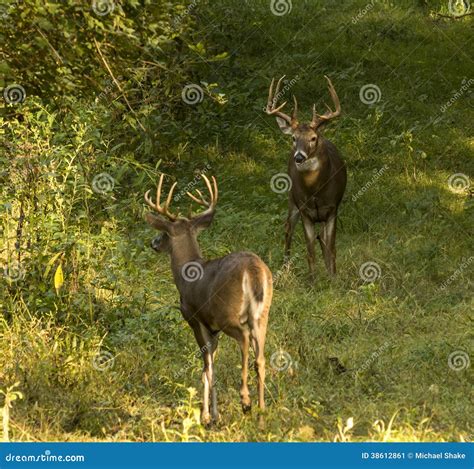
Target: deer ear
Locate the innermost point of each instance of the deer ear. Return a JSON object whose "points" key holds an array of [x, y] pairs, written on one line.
{"points": [[157, 222], [318, 125], [203, 221], [284, 126]]}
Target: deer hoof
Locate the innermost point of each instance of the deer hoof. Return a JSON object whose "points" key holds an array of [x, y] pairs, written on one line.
{"points": [[246, 408], [206, 419]]}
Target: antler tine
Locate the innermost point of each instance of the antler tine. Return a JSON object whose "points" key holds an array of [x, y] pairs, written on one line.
{"points": [[278, 85], [158, 190], [335, 98], [200, 195], [271, 110], [209, 188], [329, 114], [148, 200], [270, 95], [216, 191], [295, 110], [156, 206], [213, 193], [201, 201], [170, 196]]}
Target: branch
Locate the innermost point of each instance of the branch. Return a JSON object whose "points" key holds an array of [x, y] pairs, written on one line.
{"points": [[452, 17], [50, 45], [117, 84]]}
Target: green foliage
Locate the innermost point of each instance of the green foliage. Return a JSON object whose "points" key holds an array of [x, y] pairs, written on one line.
{"points": [[89, 324]]}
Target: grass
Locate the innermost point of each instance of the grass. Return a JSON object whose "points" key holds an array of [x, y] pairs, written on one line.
{"points": [[392, 336]]}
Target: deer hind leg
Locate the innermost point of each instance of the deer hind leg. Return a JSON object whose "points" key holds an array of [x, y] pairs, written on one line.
{"points": [[258, 345], [214, 411], [258, 330], [244, 389]]}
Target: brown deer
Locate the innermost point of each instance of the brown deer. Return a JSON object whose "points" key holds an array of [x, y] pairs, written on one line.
{"points": [[318, 176], [232, 294]]}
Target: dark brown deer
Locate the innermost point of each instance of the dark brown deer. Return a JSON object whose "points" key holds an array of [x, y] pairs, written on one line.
{"points": [[318, 177], [232, 294]]}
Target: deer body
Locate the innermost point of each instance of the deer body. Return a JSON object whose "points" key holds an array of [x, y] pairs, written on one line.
{"points": [[235, 286], [232, 295], [318, 177], [315, 196]]}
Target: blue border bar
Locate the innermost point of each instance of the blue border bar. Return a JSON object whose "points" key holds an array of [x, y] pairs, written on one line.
{"points": [[237, 455]]}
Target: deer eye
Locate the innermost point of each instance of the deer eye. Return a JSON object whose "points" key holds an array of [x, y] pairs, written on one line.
{"points": [[313, 139]]}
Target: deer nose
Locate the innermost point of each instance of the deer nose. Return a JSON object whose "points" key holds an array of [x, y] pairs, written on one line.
{"points": [[155, 242], [299, 157]]}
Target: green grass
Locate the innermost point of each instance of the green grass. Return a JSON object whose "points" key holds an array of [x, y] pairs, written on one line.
{"points": [[393, 336]]}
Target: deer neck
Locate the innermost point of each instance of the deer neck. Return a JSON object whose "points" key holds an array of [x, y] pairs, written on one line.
{"points": [[183, 256], [317, 168]]}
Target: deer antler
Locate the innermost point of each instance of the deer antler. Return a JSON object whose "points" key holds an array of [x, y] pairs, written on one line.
{"points": [[156, 206], [329, 114], [271, 110], [213, 193]]}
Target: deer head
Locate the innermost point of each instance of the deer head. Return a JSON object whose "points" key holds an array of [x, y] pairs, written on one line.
{"points": [[179, 234], [305, 136]]}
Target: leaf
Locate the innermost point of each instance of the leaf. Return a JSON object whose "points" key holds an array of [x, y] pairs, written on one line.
{"points": [[58, 277], [50, 264], [349, 424]]}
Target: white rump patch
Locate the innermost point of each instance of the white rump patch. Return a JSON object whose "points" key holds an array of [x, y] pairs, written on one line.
{"points": [[249, 302]]}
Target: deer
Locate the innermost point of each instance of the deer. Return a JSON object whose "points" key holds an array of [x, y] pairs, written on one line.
{"points": [[318, 178], [232, 294]]}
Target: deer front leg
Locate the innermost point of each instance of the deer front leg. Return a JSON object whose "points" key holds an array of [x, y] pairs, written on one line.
{"points": [[208, 350], [328, 243], [214, 411], [291, 221], [204, 340], [308, 226]]}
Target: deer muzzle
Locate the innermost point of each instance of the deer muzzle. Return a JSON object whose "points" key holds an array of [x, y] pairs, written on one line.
{"points": [[156, 242], [300, 157]]}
